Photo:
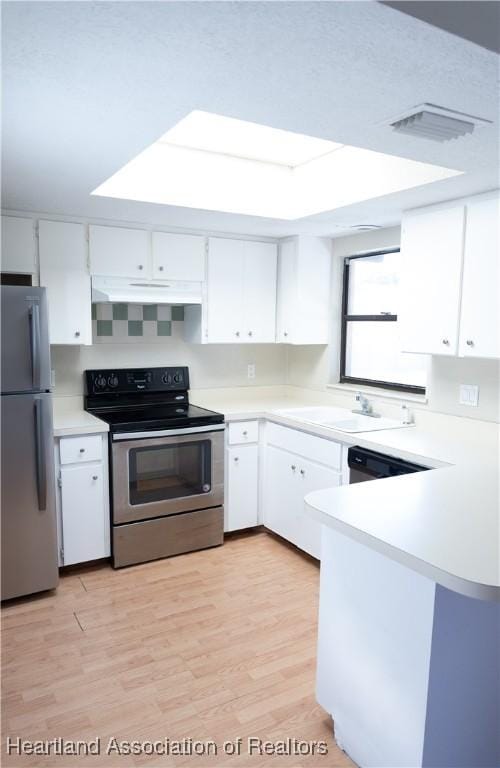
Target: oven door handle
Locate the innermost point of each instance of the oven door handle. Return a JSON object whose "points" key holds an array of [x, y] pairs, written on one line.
{"points": [[167, 432]]}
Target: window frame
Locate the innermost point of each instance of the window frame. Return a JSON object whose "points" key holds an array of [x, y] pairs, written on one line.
{"points": [[346, 318]]}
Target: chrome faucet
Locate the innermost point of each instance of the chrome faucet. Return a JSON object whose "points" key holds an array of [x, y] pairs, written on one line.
{"points": [[407, 415], [366, 407]]}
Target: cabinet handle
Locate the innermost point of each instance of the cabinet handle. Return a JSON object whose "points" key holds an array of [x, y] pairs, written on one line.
{"points": [[446, 342], [82, 450], [237, 333], [245, 433], [236, 458], [469, 343], [161, 269], [140, 266], [293, 467], [95, 477], [250, 333], [77, 333], [285, 333], [302, 472]]}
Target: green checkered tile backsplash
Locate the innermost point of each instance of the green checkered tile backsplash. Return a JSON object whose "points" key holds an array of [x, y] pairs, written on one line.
{"points": [[122, 323]]}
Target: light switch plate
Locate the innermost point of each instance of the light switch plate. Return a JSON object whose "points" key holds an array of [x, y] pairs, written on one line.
{"points": [[469, 394], [251, 371]]}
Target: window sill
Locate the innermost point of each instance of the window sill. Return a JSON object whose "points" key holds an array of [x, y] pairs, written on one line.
{"points": [[388, 394]]}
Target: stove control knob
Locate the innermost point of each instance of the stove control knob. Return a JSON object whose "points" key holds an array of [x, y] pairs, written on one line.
{"points": [[166, 378], [100, 382], [113, 380], [177, 377]]}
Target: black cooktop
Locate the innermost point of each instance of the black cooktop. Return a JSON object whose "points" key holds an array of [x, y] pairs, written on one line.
{"points": [[140, 400], [157, 417]]}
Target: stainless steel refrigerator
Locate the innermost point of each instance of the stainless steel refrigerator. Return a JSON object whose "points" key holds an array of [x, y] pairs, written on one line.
{"points": [[28, 517]]}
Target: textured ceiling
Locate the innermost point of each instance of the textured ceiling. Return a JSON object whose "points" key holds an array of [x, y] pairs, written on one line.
{"points": [[86, 86]]}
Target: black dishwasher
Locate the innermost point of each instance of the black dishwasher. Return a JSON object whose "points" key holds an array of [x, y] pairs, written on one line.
{"points": [[370, 465]]}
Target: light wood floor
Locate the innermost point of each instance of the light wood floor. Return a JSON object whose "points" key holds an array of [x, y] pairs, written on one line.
{"points": [[218, 644]]}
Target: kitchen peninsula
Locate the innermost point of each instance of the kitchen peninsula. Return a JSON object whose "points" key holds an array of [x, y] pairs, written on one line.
{"points": [[409, 603]]}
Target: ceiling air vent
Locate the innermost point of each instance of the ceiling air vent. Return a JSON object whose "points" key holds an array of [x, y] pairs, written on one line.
{"points": [[365, 227], [429, 121]]}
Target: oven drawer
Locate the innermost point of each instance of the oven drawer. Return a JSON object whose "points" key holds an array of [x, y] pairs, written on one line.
{"points": [[241, 432], [167, 536], [74, 450]]}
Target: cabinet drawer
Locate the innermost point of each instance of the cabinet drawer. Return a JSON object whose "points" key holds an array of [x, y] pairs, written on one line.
{"points": [[74, 450], [241, 432], [326, 452]]}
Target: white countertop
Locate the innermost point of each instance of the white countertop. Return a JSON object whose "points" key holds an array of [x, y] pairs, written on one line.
{"points": [[444, 524], [70, 418]]}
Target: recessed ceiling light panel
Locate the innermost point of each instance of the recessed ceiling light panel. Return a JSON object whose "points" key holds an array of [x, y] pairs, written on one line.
{"points": [[239, 138], [216, 163]]}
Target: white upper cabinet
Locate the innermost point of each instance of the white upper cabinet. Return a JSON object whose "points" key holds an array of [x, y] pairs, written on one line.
{"points": [[65, 275], [226, 264], [18, 245], [241, 292], [431, 264], [259, 292], [480, 314], [178, 257], [304, 276], [120, 252]]}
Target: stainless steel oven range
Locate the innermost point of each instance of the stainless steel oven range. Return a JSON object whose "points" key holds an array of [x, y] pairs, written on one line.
{"points": [[166, 463]]}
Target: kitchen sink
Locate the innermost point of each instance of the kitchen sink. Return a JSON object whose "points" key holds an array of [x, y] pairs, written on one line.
{"points": [[340, 418]]}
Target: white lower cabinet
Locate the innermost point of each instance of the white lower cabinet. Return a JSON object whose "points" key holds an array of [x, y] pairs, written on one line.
{"points": [[288, 478], [83, 501], [242, 492]]}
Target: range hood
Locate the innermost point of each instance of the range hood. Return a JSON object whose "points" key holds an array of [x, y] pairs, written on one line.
{"points": [[126, 290]]}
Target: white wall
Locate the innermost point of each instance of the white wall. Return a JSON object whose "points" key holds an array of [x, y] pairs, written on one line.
{"points": [[214, 365], [316, 367]]}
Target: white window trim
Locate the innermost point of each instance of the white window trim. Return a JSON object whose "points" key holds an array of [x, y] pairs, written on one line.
{"points": [[380, 393]]}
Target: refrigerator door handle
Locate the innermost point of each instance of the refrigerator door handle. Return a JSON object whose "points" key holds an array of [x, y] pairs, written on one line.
{"points": [[34, 319], [41, 464]]}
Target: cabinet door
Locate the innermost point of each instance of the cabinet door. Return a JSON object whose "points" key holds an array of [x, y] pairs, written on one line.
{"points": [[84, 514], [226, 259], [178, 257], [304, 278], [242, 487], [312, 477], [431, 260], [280, 493], [18, 245], [119, 252], [64, 273], [480, 317], [259, 299], [289, 478], [287, 296]]}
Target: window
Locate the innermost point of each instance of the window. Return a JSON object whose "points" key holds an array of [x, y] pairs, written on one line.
{"points": [[370, 350]]}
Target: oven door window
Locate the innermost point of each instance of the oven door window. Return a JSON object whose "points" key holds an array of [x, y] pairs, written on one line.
{"points": [[172, 471]]}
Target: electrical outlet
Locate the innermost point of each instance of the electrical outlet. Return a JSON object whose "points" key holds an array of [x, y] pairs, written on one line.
{"points": [[251, 371], [469, 394]]}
